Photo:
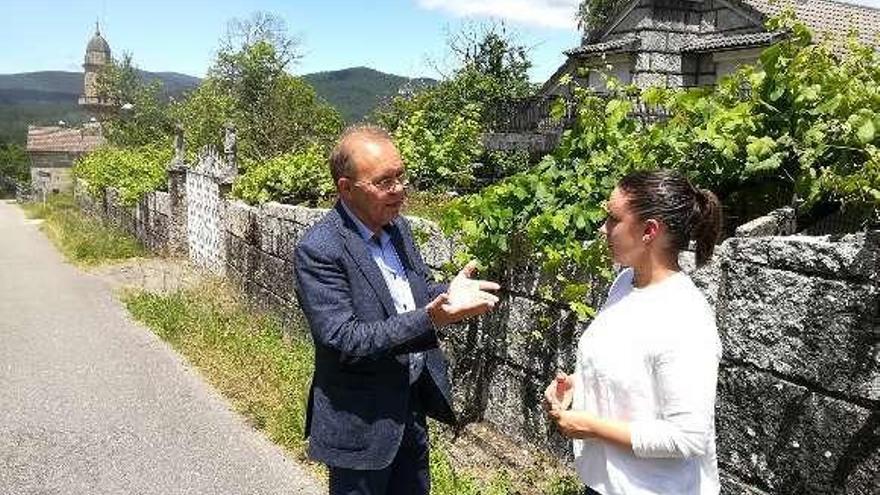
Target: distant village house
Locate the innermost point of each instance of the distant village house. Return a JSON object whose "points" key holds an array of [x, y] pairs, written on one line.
{"points": [[54, 149]]}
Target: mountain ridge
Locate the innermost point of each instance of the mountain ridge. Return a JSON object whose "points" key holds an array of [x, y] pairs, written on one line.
{"points": [[45, 97]]}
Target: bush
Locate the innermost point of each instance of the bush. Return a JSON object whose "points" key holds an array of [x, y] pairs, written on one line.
{"points": [[133, 171], [440, 154], [806, 119], [288, 178]]}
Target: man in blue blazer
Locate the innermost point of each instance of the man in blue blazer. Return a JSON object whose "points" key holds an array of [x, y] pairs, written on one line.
{"points": [[374, 314]]}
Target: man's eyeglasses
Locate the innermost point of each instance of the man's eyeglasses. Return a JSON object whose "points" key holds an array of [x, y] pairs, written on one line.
{"points": [[389, 183]]}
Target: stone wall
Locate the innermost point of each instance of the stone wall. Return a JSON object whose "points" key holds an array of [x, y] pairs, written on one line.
{"points": [[799, 387], [799, 391], [148, 220]]}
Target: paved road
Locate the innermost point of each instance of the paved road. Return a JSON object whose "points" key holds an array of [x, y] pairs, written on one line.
{"points": [[93, 403]]}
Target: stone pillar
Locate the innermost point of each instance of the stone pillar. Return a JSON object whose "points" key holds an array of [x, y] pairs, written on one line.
{"points": [[208, 183], [230, 149], [177, 242]]}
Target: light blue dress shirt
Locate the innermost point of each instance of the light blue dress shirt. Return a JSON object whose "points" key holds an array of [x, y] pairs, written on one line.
{"points": [[383, 253]]}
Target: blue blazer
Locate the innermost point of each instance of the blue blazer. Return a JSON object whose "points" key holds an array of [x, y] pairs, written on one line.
{"points": [[359, 397]]}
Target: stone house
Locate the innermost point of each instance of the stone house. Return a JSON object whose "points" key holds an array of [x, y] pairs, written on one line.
{"points": [[53, 149], [672, 43], [677, 43]]}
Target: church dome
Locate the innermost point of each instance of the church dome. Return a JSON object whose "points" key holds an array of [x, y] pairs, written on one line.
{"points": [[98, 44], [98, 50]]}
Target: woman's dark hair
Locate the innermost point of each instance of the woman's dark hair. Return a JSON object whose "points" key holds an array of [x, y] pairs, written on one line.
{"points": [[687, 212]]}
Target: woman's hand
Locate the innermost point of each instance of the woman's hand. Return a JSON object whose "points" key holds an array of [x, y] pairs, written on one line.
{"points": [[571, 424], [560, 392], [583, 425]]}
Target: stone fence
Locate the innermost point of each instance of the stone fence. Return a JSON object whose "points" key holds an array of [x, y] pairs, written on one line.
{"points": [[799, 392]]}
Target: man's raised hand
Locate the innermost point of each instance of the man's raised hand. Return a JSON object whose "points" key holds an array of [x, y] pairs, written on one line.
{"points": [[466, 297]]}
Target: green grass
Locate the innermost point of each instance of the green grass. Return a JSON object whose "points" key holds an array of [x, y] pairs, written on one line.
{"points": [[241, 351], [84, 240], [265, 371]]}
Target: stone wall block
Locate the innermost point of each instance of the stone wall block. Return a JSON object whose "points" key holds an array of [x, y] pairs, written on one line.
{"points": [[665, 62], [270, 232], [514, 409], [538, 337], [649, 79], [814, 329], [853, 256], [280, 210], [163, 203], [275, 274], [289, 235], [307, 217], [240, 219], [675, 41], [236, 253], [749, 250], [669, 19], [642, 61], [674, 80], [653, 40], [785, 439], [298, 214], [436, 248]]}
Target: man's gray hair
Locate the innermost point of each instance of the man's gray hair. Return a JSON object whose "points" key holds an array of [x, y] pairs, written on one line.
{"points": [[340, 158]]}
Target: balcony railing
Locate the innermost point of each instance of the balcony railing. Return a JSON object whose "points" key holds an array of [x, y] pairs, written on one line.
{"points": [[533, 115]]}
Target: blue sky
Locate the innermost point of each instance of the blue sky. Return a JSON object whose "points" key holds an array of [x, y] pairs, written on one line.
{"points": [[396, 36]]}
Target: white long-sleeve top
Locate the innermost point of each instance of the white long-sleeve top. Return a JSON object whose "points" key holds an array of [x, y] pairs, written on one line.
{"points": [[650, 358]]}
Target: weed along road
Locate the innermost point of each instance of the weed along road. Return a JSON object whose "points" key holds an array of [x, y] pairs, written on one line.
{"points": [[92, 403]]}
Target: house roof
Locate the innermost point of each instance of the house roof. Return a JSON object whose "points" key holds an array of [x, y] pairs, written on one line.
{"points": [[827, 16], [821, 16], [722, 42], [621, 44], [64, 139]]}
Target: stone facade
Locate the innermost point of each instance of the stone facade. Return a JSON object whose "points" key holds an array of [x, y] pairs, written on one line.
{"points": [[678, 43], [799, 318]]}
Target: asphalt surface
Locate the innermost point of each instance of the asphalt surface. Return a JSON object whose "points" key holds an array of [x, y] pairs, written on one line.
{"points": [[94, 403]]}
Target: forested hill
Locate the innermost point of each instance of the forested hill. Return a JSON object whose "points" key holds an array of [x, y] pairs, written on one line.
{"points": [[355, 92], [44, 98]]}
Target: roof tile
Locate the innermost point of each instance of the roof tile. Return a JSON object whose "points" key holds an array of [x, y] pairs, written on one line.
{"points": [[64, 139]]}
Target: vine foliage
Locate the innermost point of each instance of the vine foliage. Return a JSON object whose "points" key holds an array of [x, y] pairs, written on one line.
{"points": [[808, 118]]}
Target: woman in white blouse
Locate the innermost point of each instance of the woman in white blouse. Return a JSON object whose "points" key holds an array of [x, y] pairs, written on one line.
{"points": [[640, 404]]}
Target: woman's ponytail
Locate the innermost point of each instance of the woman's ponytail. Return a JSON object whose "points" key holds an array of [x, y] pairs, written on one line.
{"points": [[707, 225]]}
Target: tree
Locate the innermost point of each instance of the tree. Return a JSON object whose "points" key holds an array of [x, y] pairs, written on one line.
{"points": [[139, 116], [261, 27], [249, 86], [14, 164], [439, 128], [592, 14]]}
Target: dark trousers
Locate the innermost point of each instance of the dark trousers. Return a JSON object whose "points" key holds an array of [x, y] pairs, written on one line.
{"points": [[408, 473]]}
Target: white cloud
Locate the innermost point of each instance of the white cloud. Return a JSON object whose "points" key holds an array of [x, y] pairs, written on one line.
{"points": [[544, 13]]}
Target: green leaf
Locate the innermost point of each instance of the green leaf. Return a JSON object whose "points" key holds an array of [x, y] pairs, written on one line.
{"points": [[865, 131]]}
